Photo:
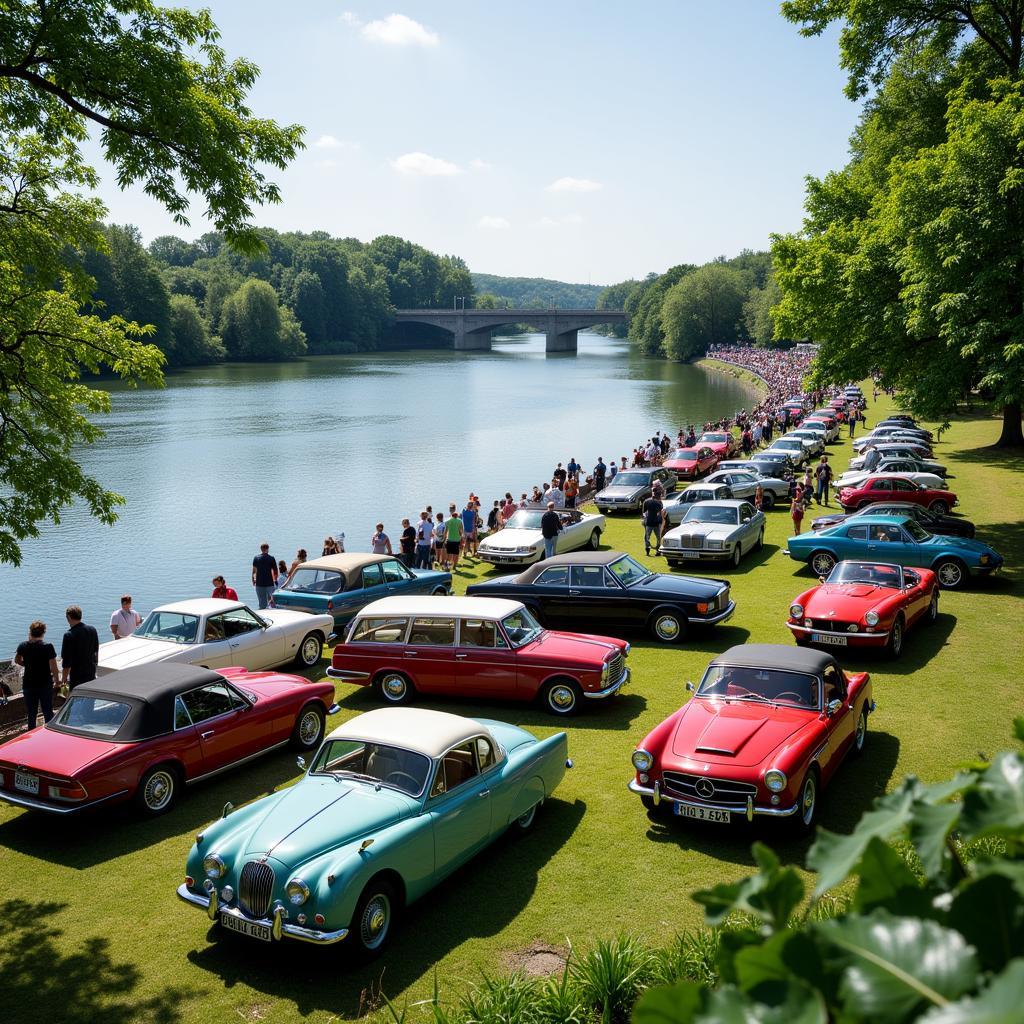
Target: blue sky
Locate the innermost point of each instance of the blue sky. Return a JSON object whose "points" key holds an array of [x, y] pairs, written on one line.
{"points": [[580, 141]]}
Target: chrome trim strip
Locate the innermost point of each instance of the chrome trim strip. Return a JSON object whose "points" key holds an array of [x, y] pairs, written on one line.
{"points": [[771, 812], [41, 805], [235, 764], [288, 931], [607, 692], [836, 632], [346, 673], [714, 619]]}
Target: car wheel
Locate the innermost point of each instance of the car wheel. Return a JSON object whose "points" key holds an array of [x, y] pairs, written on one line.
{"points": [[822, 562], [309, 728], [668, 626], [861, 735], [737, 554], [595, 540], [439, 592], [951, 573], [374, 919], [768, 500], [525, 820], [311, 650], [894, 646], [395, 688], [933, 609], [158, 790], [807, 804], [939, 507], [562, 697]]}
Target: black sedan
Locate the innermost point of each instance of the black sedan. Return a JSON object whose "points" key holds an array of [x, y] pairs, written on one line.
{"points": [[944, 526], [608, 591]]}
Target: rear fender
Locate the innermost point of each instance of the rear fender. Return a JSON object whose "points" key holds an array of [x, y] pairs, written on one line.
{"points": [[533, 772]]}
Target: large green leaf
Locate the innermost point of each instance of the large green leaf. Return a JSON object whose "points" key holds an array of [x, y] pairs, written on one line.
{"points": [[731, 941], [930, 825], [673, 1004], [1001, 1003], [799, 1005], [1018, 728], [764, 970], [995, 806], [989, 912], [886, 881], [894, 966]]}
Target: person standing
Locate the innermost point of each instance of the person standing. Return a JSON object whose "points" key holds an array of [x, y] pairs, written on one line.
{"points": [[468, 517], [823, 474], [222, 590], [39, 660], [797, 508], [759, 498], [440, 547], [408, 543], [453, 530], [550, 528], [300, 557], [855, 415], [380, 542], [600, 472], [264, 575], [574, 467], [79, 650], [653, 515], [554, 493], [560, 475], [572, 490], [424, 541], [125, 620]]}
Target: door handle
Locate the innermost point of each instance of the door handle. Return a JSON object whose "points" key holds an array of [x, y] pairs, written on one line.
{"points": [[206, 735], [461, 656], [484, 792], [411, 654]]}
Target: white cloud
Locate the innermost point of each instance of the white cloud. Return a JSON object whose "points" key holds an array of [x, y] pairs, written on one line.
{"points": [[480, 165], [329, 142], [559, 222], [349, 17], [425, 165], [574, 185], [495, 223], [395, 30]]}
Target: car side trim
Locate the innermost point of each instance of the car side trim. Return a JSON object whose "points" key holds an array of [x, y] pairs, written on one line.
{"points": [[345, 673], [235, 764]]}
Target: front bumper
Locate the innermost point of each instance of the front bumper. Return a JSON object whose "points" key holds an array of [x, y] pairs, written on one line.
{"points": [[633, 505], [752, 810], [713, 620], [986, 570], [509, 557], [878, 639], [609, 691], [696, 554], [279, 929]]}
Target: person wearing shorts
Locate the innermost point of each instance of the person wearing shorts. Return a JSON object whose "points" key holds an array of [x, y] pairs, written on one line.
{"points": [[440, 553], [453, 532], [469, 533]]}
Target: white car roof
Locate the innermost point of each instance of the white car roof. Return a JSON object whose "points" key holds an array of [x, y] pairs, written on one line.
{"points": [[427, 732], [481, 607], [723, 503], [201, 606]]}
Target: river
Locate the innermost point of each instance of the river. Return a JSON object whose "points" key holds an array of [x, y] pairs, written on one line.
{"points": [[227, 456]]}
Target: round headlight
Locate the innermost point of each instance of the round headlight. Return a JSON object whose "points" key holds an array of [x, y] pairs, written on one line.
{"points": [[796, 610], [775, 780], [871, 618], [297, 892], [213, 866], [642, 760]]}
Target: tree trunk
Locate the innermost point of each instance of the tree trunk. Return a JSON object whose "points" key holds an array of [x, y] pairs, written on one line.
{"points": [[1012, 436]]}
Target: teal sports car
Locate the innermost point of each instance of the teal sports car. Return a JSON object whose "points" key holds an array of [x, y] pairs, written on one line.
{"points": [[394, 801], [895, 539]]}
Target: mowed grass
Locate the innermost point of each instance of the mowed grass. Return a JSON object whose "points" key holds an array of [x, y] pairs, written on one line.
{"points": [[92, 929]]}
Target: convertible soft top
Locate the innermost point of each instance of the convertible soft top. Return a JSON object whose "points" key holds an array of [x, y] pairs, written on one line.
{"points": [[780, 656]]}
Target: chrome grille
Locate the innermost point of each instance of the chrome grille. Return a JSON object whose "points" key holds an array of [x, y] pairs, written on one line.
{"points": [[725, 792], [615, 667], [831, 626], [722, 601], [691, 540], [255, 887]]}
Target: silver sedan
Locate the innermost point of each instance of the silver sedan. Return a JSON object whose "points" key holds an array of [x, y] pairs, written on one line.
{"points": [[715, 531]]}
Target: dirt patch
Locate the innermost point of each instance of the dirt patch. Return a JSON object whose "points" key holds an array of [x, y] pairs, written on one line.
{"points": [[538, 960]]}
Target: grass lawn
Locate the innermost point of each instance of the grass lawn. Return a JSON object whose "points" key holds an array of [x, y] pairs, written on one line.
{"points": [[93, 930]]}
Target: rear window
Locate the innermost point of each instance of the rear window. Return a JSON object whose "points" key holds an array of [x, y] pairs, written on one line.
{"points": [[379, 631], [316, 581], [96, 715]]}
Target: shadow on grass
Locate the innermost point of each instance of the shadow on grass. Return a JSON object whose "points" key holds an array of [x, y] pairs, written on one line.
{"points": [[725, 570], [44, 980], [922, 643], [995, 458], [478, 901]]}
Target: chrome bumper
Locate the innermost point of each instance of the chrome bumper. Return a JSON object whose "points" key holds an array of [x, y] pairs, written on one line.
{"points": [[32, 804], [656, 794], [608, 691], [714, 619], [835, 632], [278, 927], [349, 675]]}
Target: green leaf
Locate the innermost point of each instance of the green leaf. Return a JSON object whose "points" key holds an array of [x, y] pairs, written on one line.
{"points": [[989, 912], [731, 941], [675, 1004], [895, 966], [798, 1005], [929, 828], [995, 806], [1000, 1003], [886, 881], [766, 969]]}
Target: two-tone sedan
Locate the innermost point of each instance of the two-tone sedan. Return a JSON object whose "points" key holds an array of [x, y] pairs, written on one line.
{"points": [[744, 485], [945, 526], [715, 531], [676, 505], [632, 487], [520, 541]]}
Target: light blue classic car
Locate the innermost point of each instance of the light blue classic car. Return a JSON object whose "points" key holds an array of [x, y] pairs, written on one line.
{"points": [[896, 539], [395, 800], [341, 585]]}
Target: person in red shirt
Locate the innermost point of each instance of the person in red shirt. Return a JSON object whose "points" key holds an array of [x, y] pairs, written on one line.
{"points": [[221, 589]]}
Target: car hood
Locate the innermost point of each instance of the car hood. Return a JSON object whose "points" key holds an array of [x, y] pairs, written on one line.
{"points": [[732, 733], [57, 753], [964, 544], [829, 598], [621, 492], [510, 538], [694, 528], [666, 584], [136, 650], [431, 574], [552, 643]]}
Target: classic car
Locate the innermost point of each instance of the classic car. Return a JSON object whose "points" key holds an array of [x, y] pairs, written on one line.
{"points": [[609, 590], [894, 539], [478, 647], [792, 447], [339, 585], [722, 442], [632, 487], [410, 796], [744, 485], [888, 450], [815, 439], [676, 504], [865, 604], [763, 735], [145, 733], [947, 526], [906, 423], [829, 424], [895, 488], [840, 408], [520, 542], [853, 478], [214, 633], [716, 531], [690, 463], [775, 464], [890, 434]]}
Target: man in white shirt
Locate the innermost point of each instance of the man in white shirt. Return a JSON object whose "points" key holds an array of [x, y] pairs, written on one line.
{"points": [[125, 620], [554, 494]]}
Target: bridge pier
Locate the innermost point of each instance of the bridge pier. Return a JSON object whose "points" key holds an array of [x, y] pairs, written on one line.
{"points": [[562, 341], [471, 341]]}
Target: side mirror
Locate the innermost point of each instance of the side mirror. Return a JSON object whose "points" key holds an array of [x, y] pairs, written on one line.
{"points": [[301, 762], [691, 687], [228, 808], [833, 707]]}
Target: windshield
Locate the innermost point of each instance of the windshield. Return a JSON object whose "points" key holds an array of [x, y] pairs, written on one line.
{"points": [[872, 574], [791, 442], [316, 581], [631, 480], [760, 685], [689, 496], [628, 572], [715, 438], [711, 514], [174, 627], [394, 767], [96, 715], [525, 519], [684, 455], [521, 627], [916, 530]]}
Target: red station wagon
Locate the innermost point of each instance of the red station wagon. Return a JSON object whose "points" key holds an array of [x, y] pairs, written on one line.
{"points": [[480, 647]]}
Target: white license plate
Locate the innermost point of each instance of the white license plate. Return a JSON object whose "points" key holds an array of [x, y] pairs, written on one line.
{"points": [[703, 813], [251, 928], [824, 638], [26, 783]]}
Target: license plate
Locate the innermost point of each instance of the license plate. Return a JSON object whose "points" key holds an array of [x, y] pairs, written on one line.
{"points": [[251, 928], [703, 813], [26, 783], [825, 638]]}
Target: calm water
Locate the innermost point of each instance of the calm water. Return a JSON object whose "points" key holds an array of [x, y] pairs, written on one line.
{"points": [[228, 456]]}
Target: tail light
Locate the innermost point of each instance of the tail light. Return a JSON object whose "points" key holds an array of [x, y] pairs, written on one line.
{"points": [[330, 605], [68, 790]]}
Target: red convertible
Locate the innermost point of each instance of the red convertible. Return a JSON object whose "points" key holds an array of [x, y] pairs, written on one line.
{"points": [[865, 604], [690, 463], [763, 735], [142, 734], [888, 487]]}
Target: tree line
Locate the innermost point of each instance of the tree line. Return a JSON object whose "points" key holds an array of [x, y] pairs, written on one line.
{"points": [[494, 292]]}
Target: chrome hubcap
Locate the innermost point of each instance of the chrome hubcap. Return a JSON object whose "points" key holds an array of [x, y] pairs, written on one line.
{"points": [[525, 820], [668, 627], [862, 728], [394, 687], [561, 698], [311, 650], [376, 917], [158, 790], [807, 802], [823, 565], [950, 574], [309, 728]]}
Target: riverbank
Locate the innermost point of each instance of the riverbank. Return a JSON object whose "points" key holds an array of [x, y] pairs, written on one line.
{"points": [[754, 383]]}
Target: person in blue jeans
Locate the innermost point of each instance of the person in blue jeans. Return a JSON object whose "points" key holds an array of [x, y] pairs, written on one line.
{"points": [[823, 474], [264, 575], [550, 528]]}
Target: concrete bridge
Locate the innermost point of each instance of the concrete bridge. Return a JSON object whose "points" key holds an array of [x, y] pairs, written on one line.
{"points": [[472, 327]]}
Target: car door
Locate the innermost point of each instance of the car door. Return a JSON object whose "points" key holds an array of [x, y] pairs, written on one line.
{"points": [[549, 595], [888, 543], [569, 539], [397, 578], [430, 653], [602, 602], [917, 595], [374, 586], [228, 729], [750, 526], [459, 806], [214, 650], [253, 642], [485, 667], [742, 485]]}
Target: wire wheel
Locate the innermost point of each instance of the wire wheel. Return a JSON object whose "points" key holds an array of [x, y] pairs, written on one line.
{"points": [[933, 608], [861, 734], [310, 727], [158, 790], [311, 649], [808, 800]]}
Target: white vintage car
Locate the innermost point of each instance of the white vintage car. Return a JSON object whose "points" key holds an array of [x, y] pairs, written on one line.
{"points": [[213, 633], [716, 531], [520, 541]]}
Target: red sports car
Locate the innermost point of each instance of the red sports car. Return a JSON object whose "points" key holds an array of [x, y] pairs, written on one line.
{"points": [[763, 735], [865, 604], [144, 733], [690, 463], [888, 487], [722, 442]]}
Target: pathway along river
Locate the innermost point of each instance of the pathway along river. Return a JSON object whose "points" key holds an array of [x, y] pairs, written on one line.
{"points": [[227, 456]]}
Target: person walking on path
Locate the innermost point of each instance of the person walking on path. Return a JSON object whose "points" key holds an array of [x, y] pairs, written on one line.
{"points": [[550, 528], [40, 679], [408, 543], [125, 620], [653, 515], [424, 541], [797, 508], [264, 575], [823, 474], [222, 590], [453, 537], [79, 650], [380, 542]]}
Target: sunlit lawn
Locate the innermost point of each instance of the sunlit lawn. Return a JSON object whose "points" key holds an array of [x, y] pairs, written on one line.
{"points": [[92, 929]]}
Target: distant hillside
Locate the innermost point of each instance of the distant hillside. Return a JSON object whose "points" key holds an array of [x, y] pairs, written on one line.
{"points": [[538, 292]]}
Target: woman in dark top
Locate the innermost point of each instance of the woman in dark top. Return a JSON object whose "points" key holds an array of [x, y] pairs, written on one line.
{"points": [[39, 660]]}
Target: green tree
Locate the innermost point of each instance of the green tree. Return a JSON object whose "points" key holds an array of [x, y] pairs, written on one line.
{"points": [[702, 309], [306, 300], [644, 304], [757, 312], [193, 344], [615, 297], [255, 327]]}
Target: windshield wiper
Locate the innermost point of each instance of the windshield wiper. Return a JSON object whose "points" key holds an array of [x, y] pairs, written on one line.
{"points": [[753, 696]]}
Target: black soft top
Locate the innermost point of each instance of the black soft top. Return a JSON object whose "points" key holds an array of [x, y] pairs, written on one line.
{"points": [[780, 656], [574, 558]]}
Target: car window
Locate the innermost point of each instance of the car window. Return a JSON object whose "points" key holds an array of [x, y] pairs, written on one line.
{"points": [[457, 767], [395, 572], [882, 485], [835, 684], [746, 513], [315, 581], [386, 630], [480, 633], [588, 576], [208, 702], [181, 718], [237, 622], [556, 576], [904, 485], [485, 756], [373, 575], [175, 627], [857, 533], [432, 632], [910, 578], [884, 534]]}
